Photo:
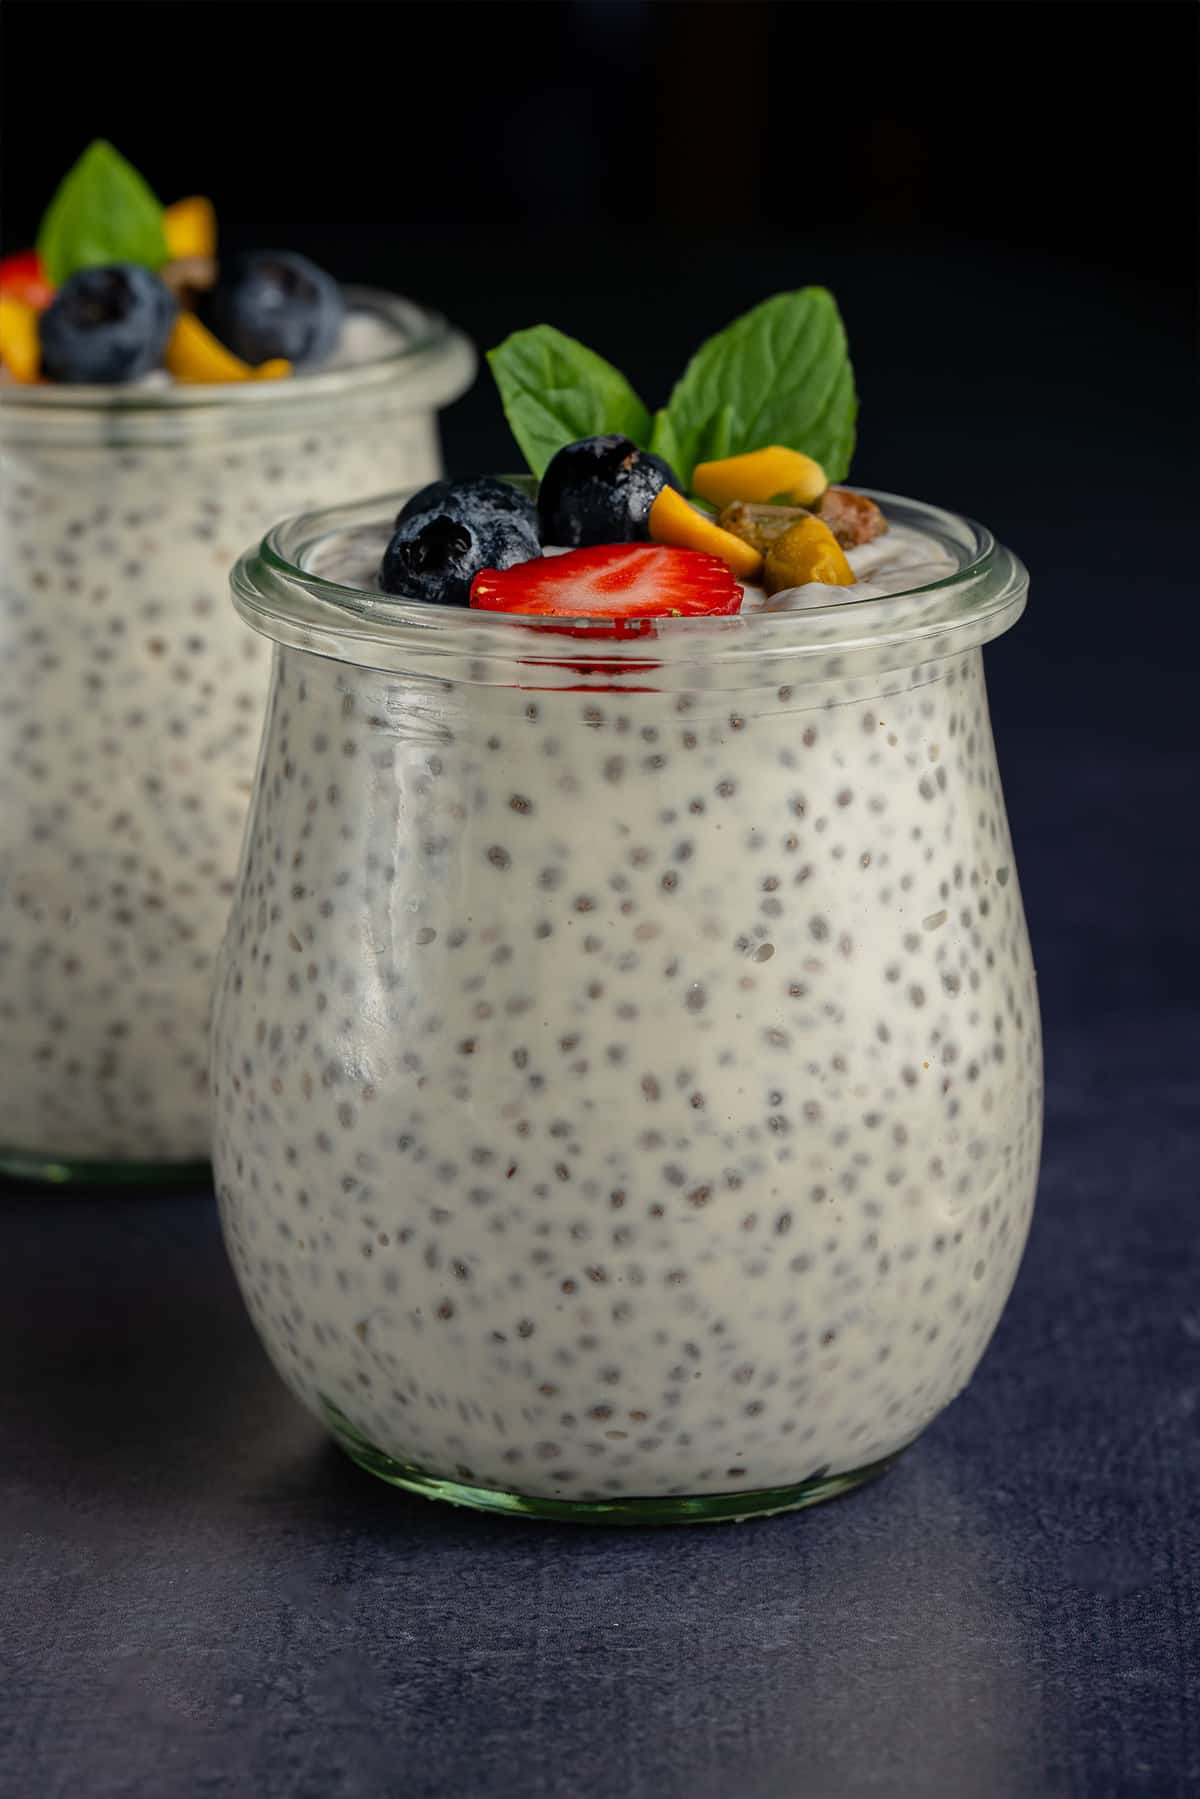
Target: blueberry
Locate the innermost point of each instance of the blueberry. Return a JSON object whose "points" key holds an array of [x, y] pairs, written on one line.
{"points": [[600, 490], [476, 497], [449, 531], [670, 478], [106, 324], [272, 303]]}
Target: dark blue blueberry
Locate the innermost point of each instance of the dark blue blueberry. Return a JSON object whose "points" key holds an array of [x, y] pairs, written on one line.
{"points": [[481, 499], [271, 303], [600, 490], [434, 556], [670, 478], [108, 324]]}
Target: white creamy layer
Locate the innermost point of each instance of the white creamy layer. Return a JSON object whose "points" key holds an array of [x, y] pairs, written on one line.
{"points": [[902, 559]]}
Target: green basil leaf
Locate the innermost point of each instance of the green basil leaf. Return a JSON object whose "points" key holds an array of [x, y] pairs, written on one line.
{"points": [[103, 212], [555, 391], [778, 375], [663, 441]]}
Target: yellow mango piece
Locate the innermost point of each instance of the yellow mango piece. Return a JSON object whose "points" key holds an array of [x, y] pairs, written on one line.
{"points": [[20, 347], [674, 522], [775, 473], [194, 354], [807, 551], [191, 228]]}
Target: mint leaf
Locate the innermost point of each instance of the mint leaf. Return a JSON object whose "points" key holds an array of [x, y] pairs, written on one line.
{"points": [[103, 212], [778, 375], [555, 391], [662, 440]]}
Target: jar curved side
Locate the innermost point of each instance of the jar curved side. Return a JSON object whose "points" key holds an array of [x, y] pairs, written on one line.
{"points": [[640, 1100]]}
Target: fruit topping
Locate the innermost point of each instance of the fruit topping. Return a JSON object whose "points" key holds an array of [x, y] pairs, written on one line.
{"points": [[852, 517], [434, 559], [23, 278], [674, 521], [273, 303], [600, 490], [20, 351], [268, 312], [807, 551], [193, 354], [612, 581], [480, 499], [778, 375], [106, 324], [447, 532], [190, 228], [785, 476]]}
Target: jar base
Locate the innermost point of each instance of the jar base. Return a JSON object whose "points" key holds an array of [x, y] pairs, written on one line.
{"points": [[702, 1508], [82, 1171]]}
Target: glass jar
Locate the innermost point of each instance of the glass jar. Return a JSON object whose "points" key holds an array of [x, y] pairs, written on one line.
{"points": [[131, 703], [626, 1057]]}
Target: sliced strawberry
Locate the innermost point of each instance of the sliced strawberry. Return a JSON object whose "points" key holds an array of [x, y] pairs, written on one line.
{"points": [[612, 581], [23, 278]]}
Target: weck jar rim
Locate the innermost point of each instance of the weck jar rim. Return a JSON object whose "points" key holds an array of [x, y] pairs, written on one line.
{"points": [[432, 361], [277, 592]]}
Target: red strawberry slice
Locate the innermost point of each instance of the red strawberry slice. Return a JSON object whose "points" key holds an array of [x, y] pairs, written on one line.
{"points": [[23, 278], [619, 581]]}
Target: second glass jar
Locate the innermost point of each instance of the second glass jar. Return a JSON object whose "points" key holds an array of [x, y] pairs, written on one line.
{"points": [[131, 703]]}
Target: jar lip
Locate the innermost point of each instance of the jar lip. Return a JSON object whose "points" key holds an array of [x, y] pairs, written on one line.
{"points": [[277, 593], [425, 340]]}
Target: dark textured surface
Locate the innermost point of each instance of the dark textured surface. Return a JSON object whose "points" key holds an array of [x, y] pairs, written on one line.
{"points": [[203, 1599]]}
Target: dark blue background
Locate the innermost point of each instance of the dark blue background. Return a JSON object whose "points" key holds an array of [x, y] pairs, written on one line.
{"points": [[200, 1598]]}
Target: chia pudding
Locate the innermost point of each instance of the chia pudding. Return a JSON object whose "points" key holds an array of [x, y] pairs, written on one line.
{"points": [[626, 1058], [131, 703]]}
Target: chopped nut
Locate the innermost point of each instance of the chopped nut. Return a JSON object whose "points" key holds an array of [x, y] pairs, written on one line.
{"points": [[760, 526], [189, 274], [852, 517], [807, 552]]}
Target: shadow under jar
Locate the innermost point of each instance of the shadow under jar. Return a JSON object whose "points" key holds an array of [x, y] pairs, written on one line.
{"points": [[131, 702], [626, 1055]]}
